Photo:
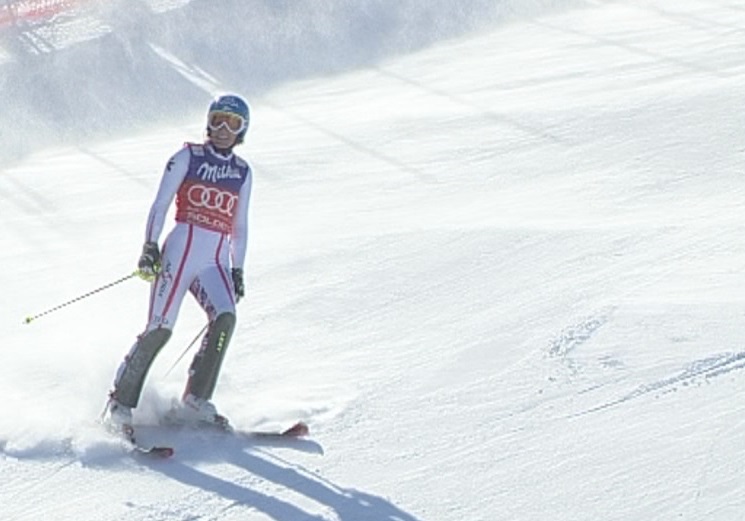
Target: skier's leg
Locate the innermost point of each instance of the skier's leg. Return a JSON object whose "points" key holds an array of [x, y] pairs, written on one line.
{"points": [[166, 295], [205, 367], [214, 291], [132, 372]]}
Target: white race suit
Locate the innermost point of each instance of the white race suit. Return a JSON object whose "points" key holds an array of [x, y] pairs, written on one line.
{"points": [[212, 193]]}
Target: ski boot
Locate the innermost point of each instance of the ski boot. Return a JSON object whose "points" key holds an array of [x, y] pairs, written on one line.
{"points": [[117, 418], [197, 412]]}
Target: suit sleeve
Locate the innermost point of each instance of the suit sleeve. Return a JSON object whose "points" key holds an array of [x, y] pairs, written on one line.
{"points": [[173, 176], [240, 224]]}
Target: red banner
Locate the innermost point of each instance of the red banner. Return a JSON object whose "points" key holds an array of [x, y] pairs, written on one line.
{"points": [[33, 10]]}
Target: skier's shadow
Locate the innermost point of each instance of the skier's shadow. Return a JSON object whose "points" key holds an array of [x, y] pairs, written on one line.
{"points": [[349, 504], [239, 495]]}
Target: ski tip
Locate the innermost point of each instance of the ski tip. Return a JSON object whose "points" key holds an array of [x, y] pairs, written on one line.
{"points": [[157, 452], [299, 430], [164, 452]]}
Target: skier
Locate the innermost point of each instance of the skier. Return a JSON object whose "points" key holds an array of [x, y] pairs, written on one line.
{"points": [[204, 253]]}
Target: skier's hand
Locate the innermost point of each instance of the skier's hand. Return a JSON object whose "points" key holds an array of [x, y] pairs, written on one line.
{"points": [[238, 287], [149, 264]]}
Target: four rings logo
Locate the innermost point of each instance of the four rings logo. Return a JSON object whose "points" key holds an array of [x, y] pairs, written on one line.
{"points": [[201, 196]]}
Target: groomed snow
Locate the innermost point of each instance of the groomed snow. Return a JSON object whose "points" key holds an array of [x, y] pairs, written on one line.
{"points": [[496, 259]]}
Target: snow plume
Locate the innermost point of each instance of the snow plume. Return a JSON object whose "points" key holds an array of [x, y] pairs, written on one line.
{"points": [[108, 68]]}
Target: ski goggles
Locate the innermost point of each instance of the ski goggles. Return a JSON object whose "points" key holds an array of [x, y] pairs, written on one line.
{"points": [[234, 123]]}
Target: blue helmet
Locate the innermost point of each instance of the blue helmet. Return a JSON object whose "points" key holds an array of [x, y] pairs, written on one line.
{"points": [[232, 104]]}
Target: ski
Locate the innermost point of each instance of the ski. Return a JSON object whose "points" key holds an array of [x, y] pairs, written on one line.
{"points": [[149, 451], [158, 452], [137, 449], [296, 437], [296, 433], [220, 424], [298, 430]]}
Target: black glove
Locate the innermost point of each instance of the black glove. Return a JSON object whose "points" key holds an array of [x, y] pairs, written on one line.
{"points": [[238, 288], [149, 264]]}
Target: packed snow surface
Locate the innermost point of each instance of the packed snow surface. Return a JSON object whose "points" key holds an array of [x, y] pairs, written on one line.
{"points": [[496, 260]]}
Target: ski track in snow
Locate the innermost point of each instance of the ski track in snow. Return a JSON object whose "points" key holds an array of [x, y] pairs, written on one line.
{"points": [[697, 373]]}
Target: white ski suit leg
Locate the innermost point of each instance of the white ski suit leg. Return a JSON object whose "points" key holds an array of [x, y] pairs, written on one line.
{"points": [[190, 255], [214, 291]]}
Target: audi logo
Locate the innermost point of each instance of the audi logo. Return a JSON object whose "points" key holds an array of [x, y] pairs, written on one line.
{"points": [[212, 199]]}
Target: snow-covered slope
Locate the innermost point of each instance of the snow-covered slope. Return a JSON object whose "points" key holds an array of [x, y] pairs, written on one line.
{"points": [[497, 266]]}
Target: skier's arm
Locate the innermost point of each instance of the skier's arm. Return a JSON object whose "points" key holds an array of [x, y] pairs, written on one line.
{"points": [[173, 176], [240, 224]]}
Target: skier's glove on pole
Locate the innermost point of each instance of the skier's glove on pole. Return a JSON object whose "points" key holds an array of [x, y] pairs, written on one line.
{"points": [[149, 264], [237, 275]]}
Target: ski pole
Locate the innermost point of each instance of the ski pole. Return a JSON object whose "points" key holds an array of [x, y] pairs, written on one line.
{"points": [[201, 332], [28, 319]]}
